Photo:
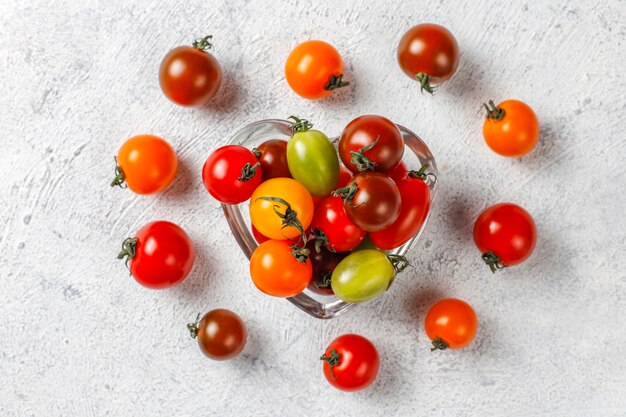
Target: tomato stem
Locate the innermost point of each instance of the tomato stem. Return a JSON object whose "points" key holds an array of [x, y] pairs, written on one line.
{"points": [[129, 250], [399, 262], [422, 175], [494, 112], [325, 281], [193, 327], [362, 162], [299, 125], [321, 240], [494, 262], [301, 254], [203, 44], [335, 82], [119, 180], [423, 78], [256, 152], [346, 193], [248, 171], [333, 360], [439, 344], [290, 217]]}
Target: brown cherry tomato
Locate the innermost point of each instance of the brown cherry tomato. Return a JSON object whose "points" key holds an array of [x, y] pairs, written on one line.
{"points": [[189, 75], [272, 154], [429, 54], [221, 334]]}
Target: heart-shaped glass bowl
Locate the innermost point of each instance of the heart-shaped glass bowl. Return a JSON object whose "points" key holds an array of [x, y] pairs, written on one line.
{"points": [[416, 154]]}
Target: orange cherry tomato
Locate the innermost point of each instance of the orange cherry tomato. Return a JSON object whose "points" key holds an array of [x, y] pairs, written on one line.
{"points": [[314, 69], [451, 323], [147, 164], [511, 128], [281, 208], [280, 270]]}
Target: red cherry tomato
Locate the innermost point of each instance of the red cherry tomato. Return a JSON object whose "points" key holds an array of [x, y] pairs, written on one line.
{"points": [[371, 200], [323, 262], [400, 172], [351, 363], [344, 176], [189, 75], [160, 255], [272, 155], [230, 174], [429, 54], [371, 143], [450, 323], [415, 197], [505, 234], [333, 228]]}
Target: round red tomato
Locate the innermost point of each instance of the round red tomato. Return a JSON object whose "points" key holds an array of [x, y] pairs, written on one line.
{"points": [[189, 75], [272, 155], [429, 54], [351, 362], [280, 269], [371, 200], [332, 227], [400, 172], [450, 323], [323, 262], [159, 256], [371, 143], [415, 197], [344, 176], [230, 174], [505, 234]]}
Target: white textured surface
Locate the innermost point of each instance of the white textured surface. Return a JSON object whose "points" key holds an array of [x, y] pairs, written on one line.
{"points": [[78, 337]]}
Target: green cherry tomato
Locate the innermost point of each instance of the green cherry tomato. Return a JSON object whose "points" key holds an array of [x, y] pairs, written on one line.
{"points": [[364, 275], [312, 159]]}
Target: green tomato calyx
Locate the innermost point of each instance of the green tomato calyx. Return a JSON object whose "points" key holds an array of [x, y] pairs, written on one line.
{"points": [[399, 262], [119, 180], [129, 250], [494, 112], [333, 360], [439, 344], [346, 193], [289, 218], [321, 240], [325, 281], [424, 81], [299, 125], [423, 175], [248, 171], [203, 44], [494, 262], [335, 82], [362, 162], [193, 327], [301, 254]]}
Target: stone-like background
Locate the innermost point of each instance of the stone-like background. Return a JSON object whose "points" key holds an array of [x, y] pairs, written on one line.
{"points": [[79, 337]]}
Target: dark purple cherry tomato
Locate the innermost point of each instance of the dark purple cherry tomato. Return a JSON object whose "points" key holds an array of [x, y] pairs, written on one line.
{"points": [[323, 262], [272, 155]]}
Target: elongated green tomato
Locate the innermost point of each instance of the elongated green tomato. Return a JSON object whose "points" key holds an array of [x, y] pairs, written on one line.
{"points": [[312, 158], [366, 274]]}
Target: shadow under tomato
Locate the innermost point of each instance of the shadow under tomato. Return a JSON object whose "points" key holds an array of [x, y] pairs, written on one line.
{"points": [[183, 183], [228, 96]]}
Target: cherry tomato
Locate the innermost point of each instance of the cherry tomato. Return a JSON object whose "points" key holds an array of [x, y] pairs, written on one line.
{"points": [[230, 174], [189, 75], [371, 143], [281, 208], [400, 172], [511, 128], [260, 238], [323, 262], [505, 234], [314, 69], [221, 334], [344, 176], [366, 274], [415, 197], [312, 158], [429, 54], [333, 228], [159, 256], [450, 323], [272, 155], [371, 200], [146, 164], [350, 362], [279, 269]]}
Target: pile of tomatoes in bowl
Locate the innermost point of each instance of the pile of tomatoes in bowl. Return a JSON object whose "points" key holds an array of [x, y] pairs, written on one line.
{"points": [[324, 222]]}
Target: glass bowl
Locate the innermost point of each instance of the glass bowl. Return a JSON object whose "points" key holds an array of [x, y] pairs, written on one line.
{"points": [[321, 306]]}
